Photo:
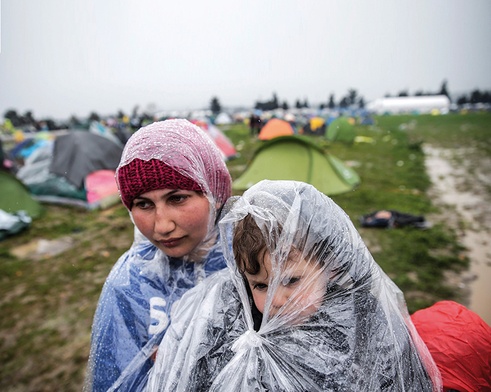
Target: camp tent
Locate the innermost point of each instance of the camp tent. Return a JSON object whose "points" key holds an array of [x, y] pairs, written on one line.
{"points": [[15, 196], [315, 127], [17, 207], [275, 127], [221, 140], [223, 119], [342, 130], [75, 169], [79, 153], [297, 158]]}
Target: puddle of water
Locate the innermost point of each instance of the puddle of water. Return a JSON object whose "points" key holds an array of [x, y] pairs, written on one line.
{"points": [[470, 206]]}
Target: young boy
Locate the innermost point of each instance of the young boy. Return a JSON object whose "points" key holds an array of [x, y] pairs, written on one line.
{"points": [[302, 307], [300, 284]]}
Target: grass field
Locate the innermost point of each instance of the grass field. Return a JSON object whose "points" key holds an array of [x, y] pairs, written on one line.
{"points": [[47, 302]]}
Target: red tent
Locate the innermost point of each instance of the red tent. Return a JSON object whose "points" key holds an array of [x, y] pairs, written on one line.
{"points": [[223, 142]]}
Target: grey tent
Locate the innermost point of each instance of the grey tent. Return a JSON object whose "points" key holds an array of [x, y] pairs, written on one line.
{"points": [[79, 153]]}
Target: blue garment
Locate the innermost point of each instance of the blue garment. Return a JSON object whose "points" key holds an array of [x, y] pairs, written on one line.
{"points": [[134, 309]]}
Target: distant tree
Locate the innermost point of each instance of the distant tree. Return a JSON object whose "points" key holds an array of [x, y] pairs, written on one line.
{"points": [[306, 103], [285, 106], [298, 105], [403, 93], [331, 103], [476, 97], [443, 89], [462, 100], [268, 105], [28, 118], [93, 116], [274, 102], [344, 102], [361, 103], [352, 95], [49, 124], [74, 122], [13, 117], [215, 106]]}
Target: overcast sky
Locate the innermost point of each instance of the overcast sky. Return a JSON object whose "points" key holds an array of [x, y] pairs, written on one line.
{"points": [[64, 57]]}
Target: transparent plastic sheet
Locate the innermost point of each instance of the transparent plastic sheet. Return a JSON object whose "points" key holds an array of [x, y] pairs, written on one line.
{"points": [[344, 327], [134, 307]]}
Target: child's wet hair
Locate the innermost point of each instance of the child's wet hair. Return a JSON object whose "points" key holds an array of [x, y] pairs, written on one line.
{"points": [[249, 246]]}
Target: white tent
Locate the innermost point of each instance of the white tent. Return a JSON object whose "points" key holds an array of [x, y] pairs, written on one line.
{"points": [[223, 119], [420, 104]]}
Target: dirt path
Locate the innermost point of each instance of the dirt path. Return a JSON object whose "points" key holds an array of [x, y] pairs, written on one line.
{"points": [[461, 182]]}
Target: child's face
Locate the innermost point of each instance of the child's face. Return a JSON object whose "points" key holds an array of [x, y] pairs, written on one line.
{"points": [[301, 288]]}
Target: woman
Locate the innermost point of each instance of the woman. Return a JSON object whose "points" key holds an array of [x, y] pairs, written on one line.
{"points": [[303, 306], [173, 181]]}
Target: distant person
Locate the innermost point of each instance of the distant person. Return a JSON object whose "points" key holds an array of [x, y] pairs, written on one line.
{"points": [[255, 124], [302, 307], [173, 181]]}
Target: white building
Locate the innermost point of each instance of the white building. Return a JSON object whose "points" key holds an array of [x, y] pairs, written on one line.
{"points": [[420, 104]]}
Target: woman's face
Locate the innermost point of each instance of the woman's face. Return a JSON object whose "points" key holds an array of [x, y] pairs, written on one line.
{"points": [[175, 221], [300, 291]]}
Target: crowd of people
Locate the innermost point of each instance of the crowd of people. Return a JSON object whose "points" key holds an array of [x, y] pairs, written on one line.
{"points": [[273, 290]]}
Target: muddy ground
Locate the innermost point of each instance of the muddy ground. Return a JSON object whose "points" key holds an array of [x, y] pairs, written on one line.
{"points": [[461, 187]]}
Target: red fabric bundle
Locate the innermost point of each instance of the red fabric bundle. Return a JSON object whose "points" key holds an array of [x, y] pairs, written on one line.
{"points": [[460, 343]]}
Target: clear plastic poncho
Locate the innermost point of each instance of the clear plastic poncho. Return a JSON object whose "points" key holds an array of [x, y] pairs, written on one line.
{"points": [[344, 326], [134, 308]]}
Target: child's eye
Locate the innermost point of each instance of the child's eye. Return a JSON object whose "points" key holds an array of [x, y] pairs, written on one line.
{"points": [[260, 287], [290, 281]]}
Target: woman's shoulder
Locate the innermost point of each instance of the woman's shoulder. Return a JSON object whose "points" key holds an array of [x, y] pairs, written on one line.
{"points": [[215, 260], [134, 263]]}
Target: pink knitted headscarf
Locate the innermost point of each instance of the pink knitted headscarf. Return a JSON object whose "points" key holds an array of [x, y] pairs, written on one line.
{"points": [[172, 154]]}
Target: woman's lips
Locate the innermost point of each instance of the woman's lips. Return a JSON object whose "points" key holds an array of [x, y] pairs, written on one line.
{"points": [[172, 243]]}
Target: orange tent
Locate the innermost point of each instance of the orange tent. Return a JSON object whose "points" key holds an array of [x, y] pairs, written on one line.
{"points": [[274, 128]]}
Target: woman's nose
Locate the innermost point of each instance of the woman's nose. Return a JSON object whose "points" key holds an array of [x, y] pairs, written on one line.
{"points": [[164, 222]]}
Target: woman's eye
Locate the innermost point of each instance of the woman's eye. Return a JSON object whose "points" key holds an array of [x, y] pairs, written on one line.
{"points": [[290, 281], [177, 198], [142, 204], [260, 286]]}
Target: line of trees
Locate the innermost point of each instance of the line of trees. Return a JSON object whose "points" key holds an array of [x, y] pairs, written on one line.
{"points": [[351, 99]]}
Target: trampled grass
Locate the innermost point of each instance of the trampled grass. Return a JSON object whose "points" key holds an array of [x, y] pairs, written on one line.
{"points": [[47, 303]]}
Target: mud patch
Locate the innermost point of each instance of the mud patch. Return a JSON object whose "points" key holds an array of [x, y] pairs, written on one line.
{"points": [[461, 182]]}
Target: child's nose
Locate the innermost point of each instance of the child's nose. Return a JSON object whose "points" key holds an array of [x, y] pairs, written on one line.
{"points": [[279, 298]]}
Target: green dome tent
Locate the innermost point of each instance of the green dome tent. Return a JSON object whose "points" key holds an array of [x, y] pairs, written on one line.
{"points": [[297, 158], [16, 197], [341, 130]]}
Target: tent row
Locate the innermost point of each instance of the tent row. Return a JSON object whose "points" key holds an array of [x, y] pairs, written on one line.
{"points": [[78, 167], [338, 129]]}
